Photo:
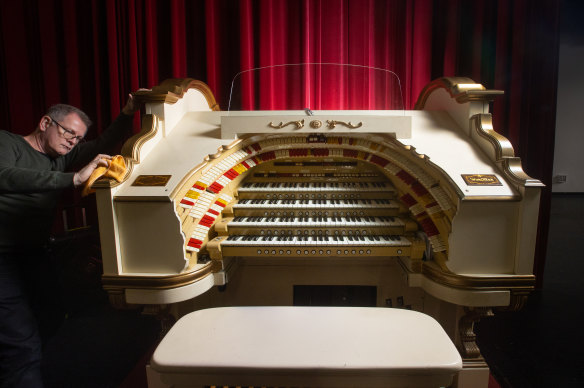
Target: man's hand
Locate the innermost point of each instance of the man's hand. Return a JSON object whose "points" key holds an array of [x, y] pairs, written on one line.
{"points": [[83, 175], [132, 106]]}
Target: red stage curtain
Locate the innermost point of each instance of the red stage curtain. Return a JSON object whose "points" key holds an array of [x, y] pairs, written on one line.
{"points": [[92, 53]]}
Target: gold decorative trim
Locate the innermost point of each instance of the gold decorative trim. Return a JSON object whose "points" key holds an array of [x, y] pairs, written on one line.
{"points": [[131, 148], [116, 282], [504, 154], [513, 170], [173, 89], [299, 124], [462, 89], [519, 282], [483, 125], [333, 123], [216, 155]]}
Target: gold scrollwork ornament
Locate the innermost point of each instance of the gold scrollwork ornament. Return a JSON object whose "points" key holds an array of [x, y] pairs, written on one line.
{"points": [[333, 123], [299, 124]]}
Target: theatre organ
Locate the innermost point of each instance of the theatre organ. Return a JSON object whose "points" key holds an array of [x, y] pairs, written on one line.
{"points": [[429, 206]]}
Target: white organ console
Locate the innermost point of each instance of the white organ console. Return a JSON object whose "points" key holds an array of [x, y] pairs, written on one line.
{"points": [[430, 207]]}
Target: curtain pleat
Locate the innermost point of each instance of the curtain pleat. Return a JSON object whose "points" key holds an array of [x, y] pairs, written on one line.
{"points": [[97, 74], [244, 84], [148, 43], [213, 43], [16, 63], [93, 53], [421, 45], [49, 56], [111, 51], [178, 39]]}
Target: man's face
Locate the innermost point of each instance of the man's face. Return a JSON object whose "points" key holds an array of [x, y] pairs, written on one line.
{"points": [[62, 135]]}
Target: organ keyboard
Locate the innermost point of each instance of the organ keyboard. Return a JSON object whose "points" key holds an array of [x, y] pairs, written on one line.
{"points": [[275, 218], [381, 245], [319, 204], [310, 187], [437, 213], [318, 221]]}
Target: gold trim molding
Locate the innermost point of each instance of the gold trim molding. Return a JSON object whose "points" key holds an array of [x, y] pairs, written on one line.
{"points": [[483, 125], [504, 153], [173, 89], [116, 282], [462, 89], [131, 148], [519, 282], [513, 170]]}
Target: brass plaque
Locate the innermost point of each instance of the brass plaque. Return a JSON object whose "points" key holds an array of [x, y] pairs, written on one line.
{"points": [[481, 180], [151, 180]]}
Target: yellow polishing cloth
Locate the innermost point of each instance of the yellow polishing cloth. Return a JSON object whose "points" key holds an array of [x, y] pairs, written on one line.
{"points": [[115, 170]]}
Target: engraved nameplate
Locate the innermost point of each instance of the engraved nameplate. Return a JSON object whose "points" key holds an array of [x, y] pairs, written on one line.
{"points": [[481, 180], [151, 180]]}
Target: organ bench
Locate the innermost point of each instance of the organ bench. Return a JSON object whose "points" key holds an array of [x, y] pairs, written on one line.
{"points": [[306, 347]]}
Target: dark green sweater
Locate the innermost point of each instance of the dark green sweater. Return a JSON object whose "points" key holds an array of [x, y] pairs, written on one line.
{"points": [[31, 182]]}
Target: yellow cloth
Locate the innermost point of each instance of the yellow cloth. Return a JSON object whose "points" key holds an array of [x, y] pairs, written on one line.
{"points": [[115, 170]]}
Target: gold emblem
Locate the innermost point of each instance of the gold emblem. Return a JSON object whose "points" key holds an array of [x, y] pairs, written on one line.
{"points": [[151, 180], [315, 124], [481, 180]]}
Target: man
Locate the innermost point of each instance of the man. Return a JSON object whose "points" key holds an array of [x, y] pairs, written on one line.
{"points": [[33, 171]]}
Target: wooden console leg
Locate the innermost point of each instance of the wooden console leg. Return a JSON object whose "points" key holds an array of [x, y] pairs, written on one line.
{"points": [[475, 371]]}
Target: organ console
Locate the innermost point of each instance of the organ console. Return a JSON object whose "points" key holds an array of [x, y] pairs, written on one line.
{"points": [[429, 206]]}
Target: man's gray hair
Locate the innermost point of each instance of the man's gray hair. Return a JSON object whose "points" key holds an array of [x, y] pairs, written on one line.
{"points": [[59, 111]]}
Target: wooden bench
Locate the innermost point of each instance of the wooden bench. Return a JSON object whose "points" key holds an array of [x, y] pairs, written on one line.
{"points": [[306, 347]]}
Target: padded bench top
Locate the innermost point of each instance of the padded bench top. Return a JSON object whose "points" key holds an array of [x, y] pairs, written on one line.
{"points": [[307, 346]]}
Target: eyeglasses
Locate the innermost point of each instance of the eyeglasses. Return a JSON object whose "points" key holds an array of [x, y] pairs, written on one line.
{"points": [[67, 133]]}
